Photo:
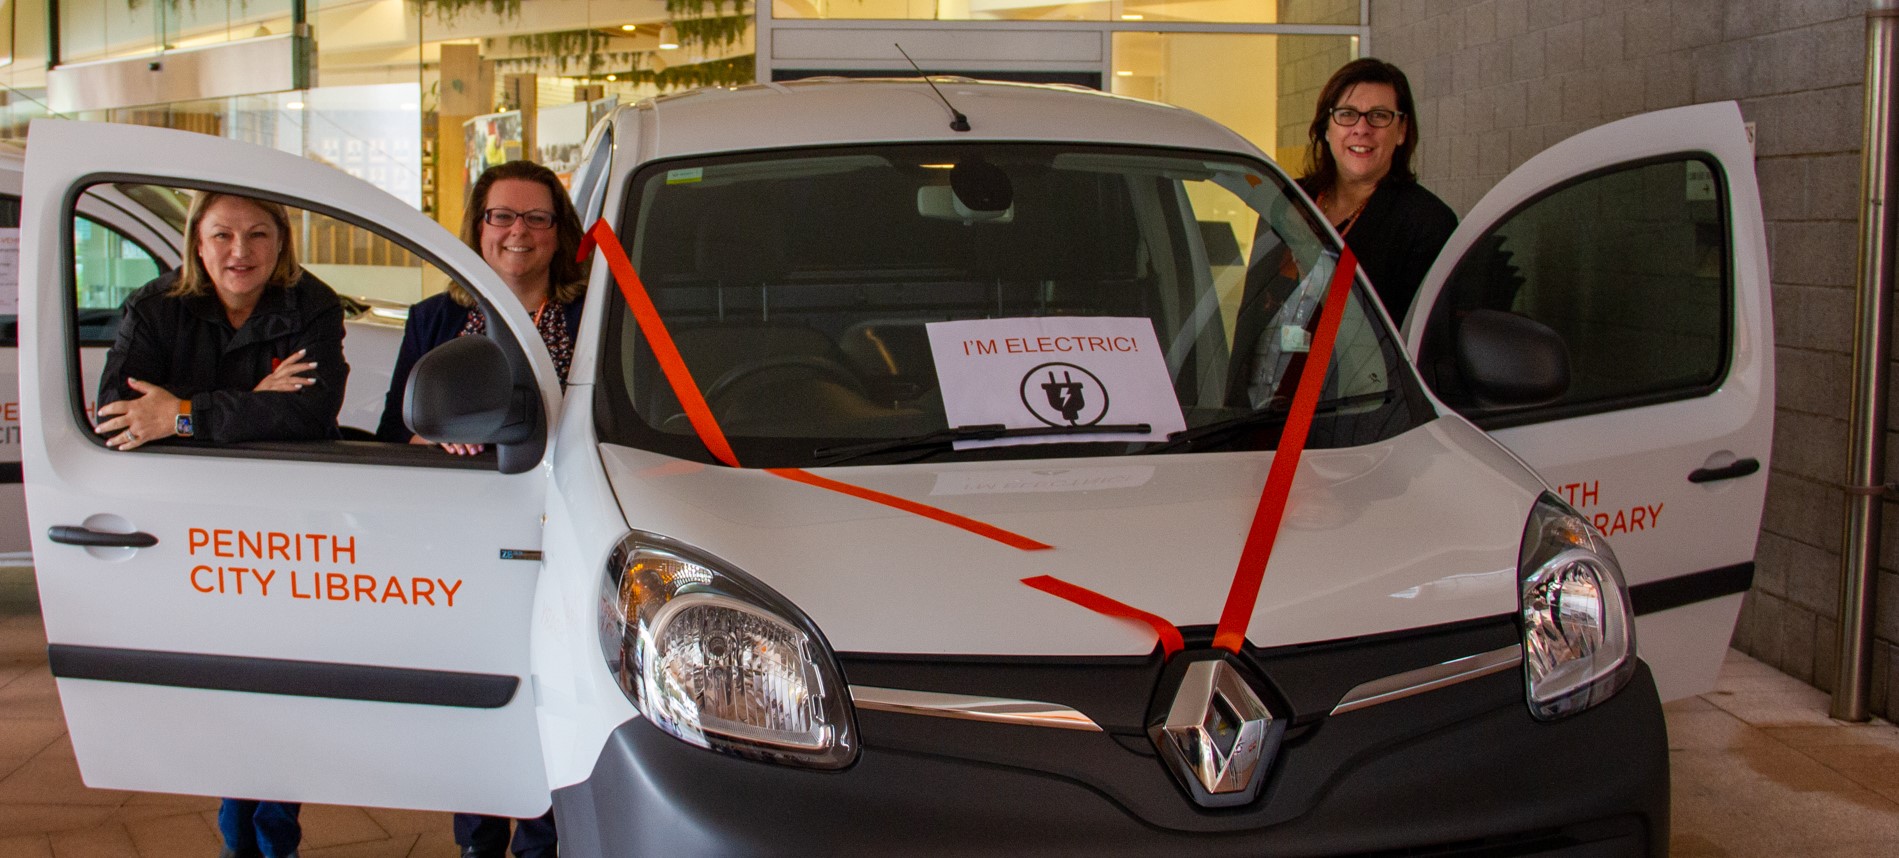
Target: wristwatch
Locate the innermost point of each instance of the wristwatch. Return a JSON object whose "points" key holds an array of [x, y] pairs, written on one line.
{"points": [[183, 427]]}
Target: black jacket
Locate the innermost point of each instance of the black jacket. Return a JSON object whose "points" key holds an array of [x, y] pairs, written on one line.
{"points": [[1397, 238], [188, 347]]}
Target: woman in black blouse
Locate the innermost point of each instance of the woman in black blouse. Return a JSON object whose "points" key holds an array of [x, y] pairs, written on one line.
{"points": [[1359, 172]]}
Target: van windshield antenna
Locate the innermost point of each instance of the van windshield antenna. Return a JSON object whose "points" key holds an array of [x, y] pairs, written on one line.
{"points": [[958, 122]]}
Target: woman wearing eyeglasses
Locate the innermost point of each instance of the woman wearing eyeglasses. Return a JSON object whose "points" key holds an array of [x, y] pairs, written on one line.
{"points": [[1358, 169], [521, 221]]}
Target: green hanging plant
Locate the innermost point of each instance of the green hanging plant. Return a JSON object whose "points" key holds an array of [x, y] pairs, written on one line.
{"points": [[720, 32], [448, 10], [560, 42], [566, 48], [590, 65], [732, 71], [697, 8], [133, 5]]}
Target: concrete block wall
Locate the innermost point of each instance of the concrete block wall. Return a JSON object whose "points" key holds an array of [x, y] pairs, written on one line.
{"points": [[1305, 64], [1499, 80]]}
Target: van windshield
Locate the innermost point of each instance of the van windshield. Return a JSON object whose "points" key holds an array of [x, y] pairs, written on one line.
{"points": [[979, 301]]}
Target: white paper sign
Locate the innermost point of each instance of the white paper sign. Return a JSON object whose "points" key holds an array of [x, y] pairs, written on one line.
{"points": [[10, 271], [1060, 371]]}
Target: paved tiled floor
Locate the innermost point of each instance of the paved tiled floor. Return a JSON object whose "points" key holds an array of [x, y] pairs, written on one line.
{"points": [[1759, 770]]}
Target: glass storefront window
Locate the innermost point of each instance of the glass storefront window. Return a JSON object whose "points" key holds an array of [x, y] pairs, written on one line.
{"points": [[1345, 12], [1263, 86], [104, 29]]}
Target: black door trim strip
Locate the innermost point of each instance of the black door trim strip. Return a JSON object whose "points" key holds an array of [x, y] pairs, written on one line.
{"points": [[11, 473], [1691, 588], [284, 676]]}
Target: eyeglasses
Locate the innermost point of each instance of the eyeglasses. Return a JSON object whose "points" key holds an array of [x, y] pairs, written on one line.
{"points": [[504, 218], [1346, 117]]}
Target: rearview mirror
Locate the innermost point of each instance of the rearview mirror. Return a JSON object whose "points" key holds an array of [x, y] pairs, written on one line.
{"points": [[939, 202]]}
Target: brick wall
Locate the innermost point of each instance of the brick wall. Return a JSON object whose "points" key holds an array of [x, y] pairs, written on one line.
{"points": [[1499, 80], [1305, 63]]}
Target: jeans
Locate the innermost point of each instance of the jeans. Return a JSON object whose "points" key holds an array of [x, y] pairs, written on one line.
{"points": [[488, 835], [250, 826]]}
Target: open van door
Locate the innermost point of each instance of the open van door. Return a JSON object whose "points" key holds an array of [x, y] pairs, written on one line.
{"points": [[1641, 244], [340, 622], [119, 244]]}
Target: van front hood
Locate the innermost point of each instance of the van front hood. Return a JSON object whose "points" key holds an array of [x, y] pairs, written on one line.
{"points": [[1415, 531]]}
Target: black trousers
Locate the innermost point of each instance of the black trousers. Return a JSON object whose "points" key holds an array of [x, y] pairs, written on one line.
{"points": [[533, 838]]}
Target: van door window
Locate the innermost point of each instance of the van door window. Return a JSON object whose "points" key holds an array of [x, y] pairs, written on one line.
{"points": [[1628, 266], [376, 274]]}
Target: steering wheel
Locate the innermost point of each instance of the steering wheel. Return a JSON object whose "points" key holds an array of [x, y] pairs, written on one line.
{"points": [[809, 364]]}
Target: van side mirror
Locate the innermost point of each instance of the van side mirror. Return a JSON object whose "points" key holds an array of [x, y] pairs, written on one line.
{"points": [[1510, 361], [463, 392]]}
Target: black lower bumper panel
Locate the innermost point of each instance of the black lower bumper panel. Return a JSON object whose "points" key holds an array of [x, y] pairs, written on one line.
{"points": [[1463, 771]]}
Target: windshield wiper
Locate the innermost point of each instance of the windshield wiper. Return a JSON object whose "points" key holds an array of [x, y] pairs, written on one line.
{"points": [[1274, 412], [974, 432]]}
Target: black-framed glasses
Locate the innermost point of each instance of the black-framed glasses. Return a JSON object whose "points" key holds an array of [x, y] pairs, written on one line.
{"points": [[1346, 117], [504, 218]]}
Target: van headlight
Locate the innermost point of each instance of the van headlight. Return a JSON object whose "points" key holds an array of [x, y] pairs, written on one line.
{"points": [[719, 660], [1578, 628]]}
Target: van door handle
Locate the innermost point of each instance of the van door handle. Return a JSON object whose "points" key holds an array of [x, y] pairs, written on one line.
{"points": [[67, 534], [1727, 472]]}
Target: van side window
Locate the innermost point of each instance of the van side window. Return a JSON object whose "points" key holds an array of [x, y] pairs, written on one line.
{"points": [[1626, 265], [107, 267], [9, 219]]}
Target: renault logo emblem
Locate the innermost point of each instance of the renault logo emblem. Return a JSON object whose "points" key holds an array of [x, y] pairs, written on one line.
{"points": [[1217, 737]]}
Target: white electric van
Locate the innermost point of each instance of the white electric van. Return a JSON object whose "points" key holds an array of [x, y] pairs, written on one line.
{"points": [[898, 499]]}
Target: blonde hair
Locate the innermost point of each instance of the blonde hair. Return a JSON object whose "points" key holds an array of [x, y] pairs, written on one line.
{"points": [[193, 279]]}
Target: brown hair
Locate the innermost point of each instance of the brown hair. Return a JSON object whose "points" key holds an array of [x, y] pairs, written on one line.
{"points": [[566, 276], [1321, 169], [193, 279]]}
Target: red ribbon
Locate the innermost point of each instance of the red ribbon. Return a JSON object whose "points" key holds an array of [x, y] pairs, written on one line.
{"points": [[1244, 595], [990, 531], [699, 414], [1170, 639], [664, 351]]}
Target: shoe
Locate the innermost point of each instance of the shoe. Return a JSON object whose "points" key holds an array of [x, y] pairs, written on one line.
{"points": [[478, 852], [228, 852]]}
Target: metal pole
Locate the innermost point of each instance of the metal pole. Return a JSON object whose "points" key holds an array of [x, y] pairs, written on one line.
{"points": [[1866, 431]]}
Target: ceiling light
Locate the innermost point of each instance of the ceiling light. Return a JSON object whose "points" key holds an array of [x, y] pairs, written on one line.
{"points": [[668, 38], [613, 77], [295, 105], [1132, 17], [629, 27], [1123, 73]]}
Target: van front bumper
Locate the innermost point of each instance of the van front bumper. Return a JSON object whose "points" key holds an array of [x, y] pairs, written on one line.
{"points": [[1463, 771]]}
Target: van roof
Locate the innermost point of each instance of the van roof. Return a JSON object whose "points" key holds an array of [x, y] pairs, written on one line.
{"points": [[833, 111]]}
